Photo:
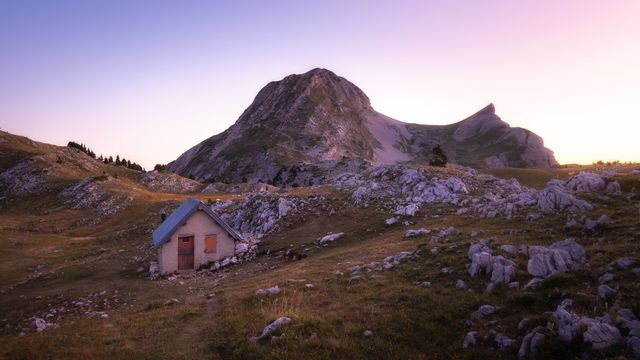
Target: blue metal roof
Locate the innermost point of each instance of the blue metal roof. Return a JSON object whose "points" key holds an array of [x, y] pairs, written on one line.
{"points": [[178, 218]]}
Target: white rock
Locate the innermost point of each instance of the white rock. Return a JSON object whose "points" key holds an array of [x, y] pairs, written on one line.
{"points": [[409, 210], [503, 341], [448, 231], [508, 249], [555, 197], [330, 238], [530, 344], [483, 311], [417, 232], [274, 290], [154, 270], [39, 324], [271, 328], [391, 221], [367, 333], [602, 335], [605, 291], [567, 324], [585, 182], [560, 257], [605, 278], [624, 263], [284, 206], [461, 284], [469, 339], [613, 188]]}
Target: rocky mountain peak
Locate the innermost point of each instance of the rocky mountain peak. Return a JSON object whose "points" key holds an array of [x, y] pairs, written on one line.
{"points": [[317, 117], [489, 109], [479, 124], [317, 88]]}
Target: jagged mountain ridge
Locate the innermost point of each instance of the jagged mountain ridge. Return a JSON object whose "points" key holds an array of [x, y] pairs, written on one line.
{"points": [[318, 119]]}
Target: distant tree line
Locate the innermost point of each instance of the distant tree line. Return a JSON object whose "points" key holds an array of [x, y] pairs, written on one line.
{"points": [[107, 160], [615, 162], [121, 162], [81, 147]]}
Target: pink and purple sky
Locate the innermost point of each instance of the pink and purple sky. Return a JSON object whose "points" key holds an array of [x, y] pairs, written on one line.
{"points": [[150, 79]]}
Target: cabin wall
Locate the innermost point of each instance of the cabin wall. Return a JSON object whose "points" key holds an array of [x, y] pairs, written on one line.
{"points": [[198, 224]]}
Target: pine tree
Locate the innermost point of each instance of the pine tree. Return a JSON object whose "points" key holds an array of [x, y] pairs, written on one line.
{"points": [[117, 159], [438, 157], [110, 160]]}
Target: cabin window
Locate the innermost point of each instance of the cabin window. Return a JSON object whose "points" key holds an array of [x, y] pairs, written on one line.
{"points": [[210, 243]]}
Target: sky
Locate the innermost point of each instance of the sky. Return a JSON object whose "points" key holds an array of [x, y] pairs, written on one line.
{"points": [[149, 79]]}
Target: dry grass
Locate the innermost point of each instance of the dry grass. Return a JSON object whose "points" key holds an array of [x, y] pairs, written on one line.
{"points": [[216, 315]]}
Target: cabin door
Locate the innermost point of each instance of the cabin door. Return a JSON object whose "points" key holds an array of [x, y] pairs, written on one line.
{"points": [[185, 253]]}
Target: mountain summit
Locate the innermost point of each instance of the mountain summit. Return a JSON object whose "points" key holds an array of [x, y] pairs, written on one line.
{"points": [[319, 117]]}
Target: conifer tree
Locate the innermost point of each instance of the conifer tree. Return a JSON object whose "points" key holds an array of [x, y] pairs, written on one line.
{"points": [[438, 157]]}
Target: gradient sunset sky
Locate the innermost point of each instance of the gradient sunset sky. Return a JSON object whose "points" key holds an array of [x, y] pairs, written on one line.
{"points": [[150, 79]]}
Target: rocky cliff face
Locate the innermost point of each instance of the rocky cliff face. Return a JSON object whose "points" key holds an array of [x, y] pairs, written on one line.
{"points": [[317, 120]]}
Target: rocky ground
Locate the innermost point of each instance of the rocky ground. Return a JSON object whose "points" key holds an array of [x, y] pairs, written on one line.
{"points": [[390, 262]]}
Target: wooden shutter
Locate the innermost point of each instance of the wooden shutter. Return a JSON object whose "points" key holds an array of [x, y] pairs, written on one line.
{"points": [[210, 243]]}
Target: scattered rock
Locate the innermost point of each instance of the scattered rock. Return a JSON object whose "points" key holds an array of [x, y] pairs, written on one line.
{"points": [[154, 270], [391, 221], [508, 249], [605, 292], [39, 325], [271, 328], [409, 210], [367, 333], [483, 311], [560, 257], [555, 197], [530, 344], [503, 341], [469, 339], [274, 290], [598, 224], [169, 182], [605, 278], [500, 268], [461, 285], [602, 335], [417, 232], [585, 182], [448, 231], [625, 262], [566, 322], [330, 238]]}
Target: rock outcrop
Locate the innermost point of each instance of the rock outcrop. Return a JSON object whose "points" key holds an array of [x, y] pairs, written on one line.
{"points": [[169, 182], [559, 257]]}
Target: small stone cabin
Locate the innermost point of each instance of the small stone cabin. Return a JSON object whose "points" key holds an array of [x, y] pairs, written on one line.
{"points": [[192, 236]]}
